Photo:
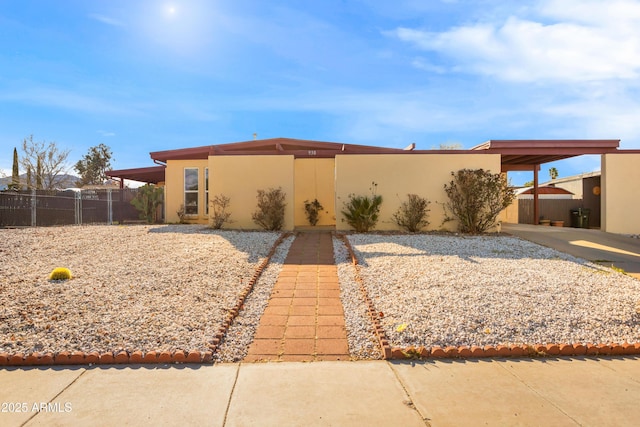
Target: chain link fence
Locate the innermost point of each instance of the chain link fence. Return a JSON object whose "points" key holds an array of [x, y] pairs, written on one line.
{"points": [[47, 208]]}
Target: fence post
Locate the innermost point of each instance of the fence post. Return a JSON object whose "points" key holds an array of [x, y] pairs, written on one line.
{"points": [[34, 200], [109, 207], [78, 206]]}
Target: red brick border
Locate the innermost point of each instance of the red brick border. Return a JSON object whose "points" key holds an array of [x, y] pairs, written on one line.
{"points": [[137, 356], [499, 351], [373, 314]]}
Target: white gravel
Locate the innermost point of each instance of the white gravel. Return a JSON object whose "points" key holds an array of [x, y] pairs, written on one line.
{"points": [[134, 288], [239, 337], [363, 342], [489, 290]]}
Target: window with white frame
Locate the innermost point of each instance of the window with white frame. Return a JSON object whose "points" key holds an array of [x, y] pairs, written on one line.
{"points": [[191, 191], [206, 191]]}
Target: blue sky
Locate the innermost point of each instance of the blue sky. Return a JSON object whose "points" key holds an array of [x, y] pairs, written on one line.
{"points": [[146, 75]]}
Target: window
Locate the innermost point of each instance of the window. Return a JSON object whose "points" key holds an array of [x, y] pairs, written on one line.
{"points": [[191, 191], [206, 191]]}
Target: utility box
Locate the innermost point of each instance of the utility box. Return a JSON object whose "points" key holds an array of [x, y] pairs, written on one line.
{"points": [[580, 217]]}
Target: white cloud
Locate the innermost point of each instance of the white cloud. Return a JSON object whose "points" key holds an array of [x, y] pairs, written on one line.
{"points": [[106, 134], [65, 99], [596, 41], [106, 20], [425, 65]]}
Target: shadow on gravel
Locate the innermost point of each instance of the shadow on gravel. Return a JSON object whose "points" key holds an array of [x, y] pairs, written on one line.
{"points": [[469, 248], [241, 240]]}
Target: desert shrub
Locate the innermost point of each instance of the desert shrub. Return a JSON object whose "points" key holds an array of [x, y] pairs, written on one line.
{"points": [[476, 198], [312, 209], [219, 214], [412, 214], [361, 212], [181, 215], [270, 211], [60, 273], [147, 200]]}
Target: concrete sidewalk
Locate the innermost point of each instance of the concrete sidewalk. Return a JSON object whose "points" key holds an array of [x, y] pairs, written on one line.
{"points": [[593, 245], [576, 391]]}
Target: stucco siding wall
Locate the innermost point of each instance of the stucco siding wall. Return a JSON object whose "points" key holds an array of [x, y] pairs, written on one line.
{"points": [[620, 193], [240, 177], [575, 186], [315, 179], [174, 190], [400, 174], [511, 213]]}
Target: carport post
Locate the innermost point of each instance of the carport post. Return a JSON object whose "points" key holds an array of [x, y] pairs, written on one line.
{"points": [[536, 209]]}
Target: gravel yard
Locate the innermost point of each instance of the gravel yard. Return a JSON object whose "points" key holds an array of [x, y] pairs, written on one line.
{"points": [[134, 288], [437, 290], [235, 344], [170, 287], [363, 342]]}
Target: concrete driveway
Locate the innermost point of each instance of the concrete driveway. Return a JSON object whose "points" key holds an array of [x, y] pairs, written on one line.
{"points": [[597, 246]]}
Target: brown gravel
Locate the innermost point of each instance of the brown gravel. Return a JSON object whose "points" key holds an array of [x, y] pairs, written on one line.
{"points": [[133, 288]]}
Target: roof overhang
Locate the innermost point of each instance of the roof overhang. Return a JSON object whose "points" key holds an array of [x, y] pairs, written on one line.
{"points": [[298, 148], [521, 155], [150, 175]]}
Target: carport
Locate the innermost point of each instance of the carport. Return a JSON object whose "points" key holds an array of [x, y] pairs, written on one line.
{"points": [[150, 175], [529, 155]]}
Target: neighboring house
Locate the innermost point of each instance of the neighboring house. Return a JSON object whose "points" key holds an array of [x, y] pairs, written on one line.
{"points": [[578, 184], [547, 192], [330, 172]]}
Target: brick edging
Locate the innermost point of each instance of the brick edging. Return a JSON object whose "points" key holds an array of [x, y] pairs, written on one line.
{"points": [[488, 351], [383, 341], [137, 356], [524, 350], [233, 313]]}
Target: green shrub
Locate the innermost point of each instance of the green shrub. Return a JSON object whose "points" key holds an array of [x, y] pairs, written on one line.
{"points": [[219, 214], [361, 212], [270, 212], [476, 198], [60, 273], [147, 200], [312, 210], [412, 214]]}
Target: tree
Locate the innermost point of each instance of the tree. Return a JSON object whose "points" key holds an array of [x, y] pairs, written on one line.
{"points": [[147, 200], [93, 166], [553, 173], [476, 198], [15, 174], [450, 146], [52, 162], [39, 174]]}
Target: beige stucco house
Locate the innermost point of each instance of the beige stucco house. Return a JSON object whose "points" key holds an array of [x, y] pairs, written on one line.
{"points": [[330, 172]]}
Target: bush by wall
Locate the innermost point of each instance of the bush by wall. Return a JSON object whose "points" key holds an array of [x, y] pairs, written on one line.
{"points": [[270, 211], [219, 214], [476, 198], [361, 212], [412, 214], [312, 210]]}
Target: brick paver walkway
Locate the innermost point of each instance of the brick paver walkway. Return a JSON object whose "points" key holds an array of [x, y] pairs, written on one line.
{"points": [[304, 319]]}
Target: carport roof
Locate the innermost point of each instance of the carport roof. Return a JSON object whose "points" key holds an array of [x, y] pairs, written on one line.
{"points": [[528, 154], [153, 174]]}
